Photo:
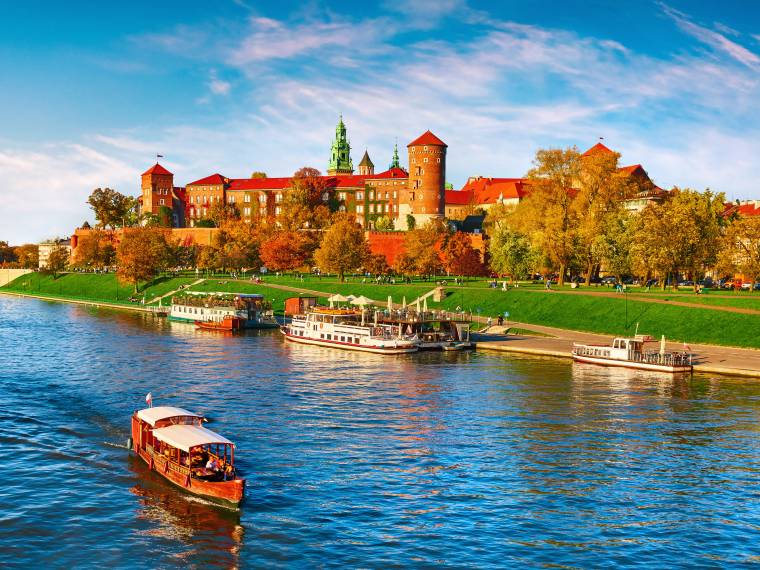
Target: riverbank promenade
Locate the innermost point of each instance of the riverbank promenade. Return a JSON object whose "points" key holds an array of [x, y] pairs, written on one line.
{"points": [[708, 358]]}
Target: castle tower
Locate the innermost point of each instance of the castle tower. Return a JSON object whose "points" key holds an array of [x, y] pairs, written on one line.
{"points": [[425, 195], [366, 168], [157, 186], [394, 161], [340, 154]]}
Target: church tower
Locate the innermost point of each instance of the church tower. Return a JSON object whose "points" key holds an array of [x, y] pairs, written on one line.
{"points": [[394, 161], [366, 168], [340, 154]]}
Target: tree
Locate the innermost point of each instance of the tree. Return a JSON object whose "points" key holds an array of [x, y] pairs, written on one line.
{"points": [[601, 192], [614, 243], [460, 258], [309, 202], [258, 174], [111, 207], [286, 250], [7, 253], [740, 249], [165, 217], [95, 249], [28, 255], [142, 253], [237, 245], [343, 248], [422, 249], [376, 264], [57, 260], [221, 213], [411, 222], [511, 253], [680, 234], [384, 224], [546, 215]]}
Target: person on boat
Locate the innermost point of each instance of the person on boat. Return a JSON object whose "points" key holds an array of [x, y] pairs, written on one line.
{"points": [[229, 473], [211, 464]]}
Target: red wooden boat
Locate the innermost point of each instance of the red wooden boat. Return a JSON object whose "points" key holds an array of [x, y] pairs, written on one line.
{"points": [[228, 323], [174, 443]]}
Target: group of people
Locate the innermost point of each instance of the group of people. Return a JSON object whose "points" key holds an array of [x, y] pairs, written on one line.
{"points": [[214, 466]]}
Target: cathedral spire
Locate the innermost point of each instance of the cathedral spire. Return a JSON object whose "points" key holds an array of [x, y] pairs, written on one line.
{"points": [[340, 153], [394, 162]]}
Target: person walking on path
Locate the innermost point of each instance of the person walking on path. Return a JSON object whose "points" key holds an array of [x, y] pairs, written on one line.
{"points": [[489, 323]]}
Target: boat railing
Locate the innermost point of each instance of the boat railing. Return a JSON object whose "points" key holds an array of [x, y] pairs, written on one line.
{"points": [[647, 357]]}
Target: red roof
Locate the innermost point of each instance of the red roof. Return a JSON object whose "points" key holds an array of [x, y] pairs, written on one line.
{"points": [[157, 169], [598, 147], [427, 138], [338, 181], [483, 190], [214, 179], [458, 197], [745, 209]]}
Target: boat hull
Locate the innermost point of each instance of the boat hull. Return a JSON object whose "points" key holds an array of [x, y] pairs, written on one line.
{"points": [[349, 345], [630, 364], [249, 325]]}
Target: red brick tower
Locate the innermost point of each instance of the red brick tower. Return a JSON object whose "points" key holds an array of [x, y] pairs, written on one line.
{"points": [[157, 186], [427, 178]]}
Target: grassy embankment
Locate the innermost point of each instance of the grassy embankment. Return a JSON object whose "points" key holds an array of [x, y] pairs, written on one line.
{"points": [[91, 287], [608, 314]]}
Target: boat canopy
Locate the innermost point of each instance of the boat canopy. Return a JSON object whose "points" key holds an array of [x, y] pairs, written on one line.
{"points": [[153, 415], [185, 437]]}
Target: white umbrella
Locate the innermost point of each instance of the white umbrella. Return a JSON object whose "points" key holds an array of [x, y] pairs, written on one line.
{"points": [[337, 298], [390, 303], [418, 304], [361, 300], [662, 345], [375, 317], [424, 305], [403, 302]]}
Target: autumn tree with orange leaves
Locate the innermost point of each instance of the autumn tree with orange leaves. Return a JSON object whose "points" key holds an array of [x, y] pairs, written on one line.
{"points": [[142, 253], [460, 258], [286, 250]]}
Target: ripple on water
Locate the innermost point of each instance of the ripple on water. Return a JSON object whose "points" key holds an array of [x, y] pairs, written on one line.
{"points": [[357, 460]]}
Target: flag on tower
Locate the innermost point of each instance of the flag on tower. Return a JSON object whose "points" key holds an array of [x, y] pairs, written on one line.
{"points": [[149, 399]]}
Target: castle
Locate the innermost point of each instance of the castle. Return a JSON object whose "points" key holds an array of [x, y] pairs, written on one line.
{"points": [[418, 194]]}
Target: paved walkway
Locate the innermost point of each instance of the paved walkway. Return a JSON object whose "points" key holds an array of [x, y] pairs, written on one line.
{"points": [[170, 293]]}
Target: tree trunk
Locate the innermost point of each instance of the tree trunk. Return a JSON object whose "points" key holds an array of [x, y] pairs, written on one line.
{"points": [[589, 272], [561, 278], [342, 276]]}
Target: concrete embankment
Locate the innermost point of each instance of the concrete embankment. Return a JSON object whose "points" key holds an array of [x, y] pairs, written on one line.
{"points": [[708, 359], [90, 303], [8, 275]]}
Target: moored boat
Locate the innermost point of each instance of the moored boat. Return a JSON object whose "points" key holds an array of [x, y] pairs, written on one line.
{"points": [[174, 443], [348, 329], [630, 352], [435, 330], [228, 323], [253, 310]]}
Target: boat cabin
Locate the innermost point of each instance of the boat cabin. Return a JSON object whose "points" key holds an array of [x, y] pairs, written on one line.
{"points": [[176, 439]]}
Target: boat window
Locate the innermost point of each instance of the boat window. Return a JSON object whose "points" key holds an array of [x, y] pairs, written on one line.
{"points": [[329, 337], [321, 335]]}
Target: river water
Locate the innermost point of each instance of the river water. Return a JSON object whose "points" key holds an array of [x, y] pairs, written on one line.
{"points": [[357, 460]]}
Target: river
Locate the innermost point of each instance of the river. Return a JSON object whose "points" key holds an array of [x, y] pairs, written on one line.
{"points": [[357, 460]]}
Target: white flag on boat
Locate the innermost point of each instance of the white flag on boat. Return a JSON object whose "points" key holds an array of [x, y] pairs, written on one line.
{"points": [[149, 399]]}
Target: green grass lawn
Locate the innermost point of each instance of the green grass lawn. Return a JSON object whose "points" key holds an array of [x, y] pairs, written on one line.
{"points": [[91, 286]]}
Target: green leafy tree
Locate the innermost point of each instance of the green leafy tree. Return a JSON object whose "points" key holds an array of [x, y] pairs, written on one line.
{"points": [[343, 248], [411, 222], [384, 224], [258, 174], [740, 249], [511, 253], [111, 208]]}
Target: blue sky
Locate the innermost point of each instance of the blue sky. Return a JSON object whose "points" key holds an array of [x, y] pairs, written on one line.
{"points": [[91, 93]]}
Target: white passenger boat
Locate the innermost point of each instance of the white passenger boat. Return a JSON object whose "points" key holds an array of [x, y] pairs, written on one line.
{"points": [[347, 329], [196, 306], [630, 352]]}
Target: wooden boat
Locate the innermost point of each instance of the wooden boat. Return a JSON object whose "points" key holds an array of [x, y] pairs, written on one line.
{"points": [[228, 323], [629, 352], [174, 443]]}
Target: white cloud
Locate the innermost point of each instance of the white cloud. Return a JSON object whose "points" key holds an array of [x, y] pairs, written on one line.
{"points": [[218, 86]]}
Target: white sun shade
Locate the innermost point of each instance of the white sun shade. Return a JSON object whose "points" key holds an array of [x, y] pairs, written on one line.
{"points": [[153, 415], [185, 437]]}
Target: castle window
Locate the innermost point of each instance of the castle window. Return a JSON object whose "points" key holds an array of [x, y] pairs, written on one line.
{"points": [[262, 198], [438, 160], [425, 148], [386, 195], [360, 208], [424, 160], [263, 211], [231, 199], [371, 194], [246, 211], [277, 211], [342, 196], [278, 197], [372, 208], [360, 195], [394, 194], [247, 198], [325, 197], [161, 201], [411, 196]]}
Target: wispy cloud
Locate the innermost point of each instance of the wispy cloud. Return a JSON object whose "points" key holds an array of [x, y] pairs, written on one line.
{"points": [[218, 86], [713, 38]]}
